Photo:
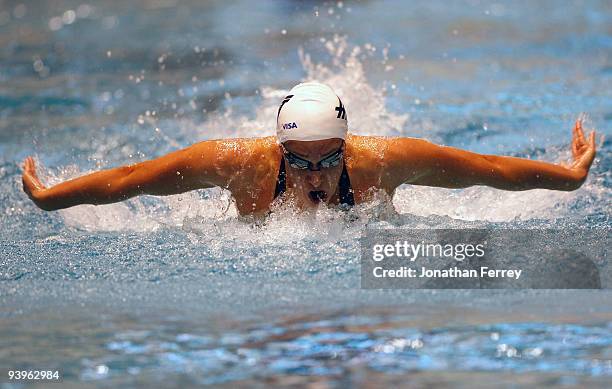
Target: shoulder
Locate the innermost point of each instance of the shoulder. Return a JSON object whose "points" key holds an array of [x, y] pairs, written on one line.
{"points": [[361, 149], [234, 154], [242, 147], [377, 147], [226, 156], [365, 161], [381, 162], [250, 168]]}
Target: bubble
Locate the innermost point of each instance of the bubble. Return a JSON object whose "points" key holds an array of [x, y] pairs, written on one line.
{"points": [[109, 22], [55, 23], [83, 10], [19, 11], [68, 17], [101, 370], [38, 65]]}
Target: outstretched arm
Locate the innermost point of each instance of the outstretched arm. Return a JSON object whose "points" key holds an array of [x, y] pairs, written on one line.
{"points": [[191, 168], [419, 162]]}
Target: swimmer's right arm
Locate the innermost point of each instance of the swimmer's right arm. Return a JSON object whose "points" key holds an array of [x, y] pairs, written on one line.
{"points": [[195, 167]]}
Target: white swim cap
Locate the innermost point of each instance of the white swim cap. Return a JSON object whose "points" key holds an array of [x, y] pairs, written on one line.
{"points": [[311, 111]]}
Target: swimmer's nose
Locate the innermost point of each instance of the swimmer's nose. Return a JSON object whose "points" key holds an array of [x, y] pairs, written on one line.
{"points": [[314, 178]]}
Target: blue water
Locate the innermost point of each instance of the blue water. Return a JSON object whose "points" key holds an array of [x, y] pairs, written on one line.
{"points": [[179, 291]]}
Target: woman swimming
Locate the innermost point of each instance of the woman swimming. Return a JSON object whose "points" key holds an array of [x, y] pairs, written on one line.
{"points": [[312, 159]]}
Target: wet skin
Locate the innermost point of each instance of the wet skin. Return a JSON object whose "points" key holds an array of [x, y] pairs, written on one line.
{"points": [[249, 168]]}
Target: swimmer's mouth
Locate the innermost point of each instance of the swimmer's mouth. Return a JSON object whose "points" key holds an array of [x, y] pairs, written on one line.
{"points": [[316, 196]]}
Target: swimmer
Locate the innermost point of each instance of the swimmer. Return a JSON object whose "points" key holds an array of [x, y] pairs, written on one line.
{"points": [[312, 159]]}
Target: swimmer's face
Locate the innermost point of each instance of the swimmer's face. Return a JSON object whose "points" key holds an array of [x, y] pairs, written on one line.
{"points": [[310, 187]]}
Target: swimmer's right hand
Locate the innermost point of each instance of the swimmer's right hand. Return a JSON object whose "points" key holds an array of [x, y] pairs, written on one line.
{"points": [[31, 183]]}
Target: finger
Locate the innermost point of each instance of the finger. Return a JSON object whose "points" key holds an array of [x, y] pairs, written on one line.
{"points": [[28, 164], [575, 129], [30, 160], [574, 134], [575, 148], [580, 131], [592, 139], [32, 165], [576, 142]]}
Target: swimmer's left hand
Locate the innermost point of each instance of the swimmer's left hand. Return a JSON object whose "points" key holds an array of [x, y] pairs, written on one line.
{"points": [[32, 185], [583, 151]]}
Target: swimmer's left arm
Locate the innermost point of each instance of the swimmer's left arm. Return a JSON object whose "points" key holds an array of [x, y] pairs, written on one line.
{"points": [[423, 163]]}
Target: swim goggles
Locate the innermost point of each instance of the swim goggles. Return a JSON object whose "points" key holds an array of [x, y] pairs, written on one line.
{"points": [[296, 162]]}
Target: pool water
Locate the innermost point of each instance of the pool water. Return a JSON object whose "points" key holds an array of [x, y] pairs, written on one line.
{"points": [[180, 291]]}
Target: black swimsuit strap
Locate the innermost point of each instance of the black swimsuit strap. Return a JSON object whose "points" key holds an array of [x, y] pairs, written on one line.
{"points": [[281, 181], [346, 191]]}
